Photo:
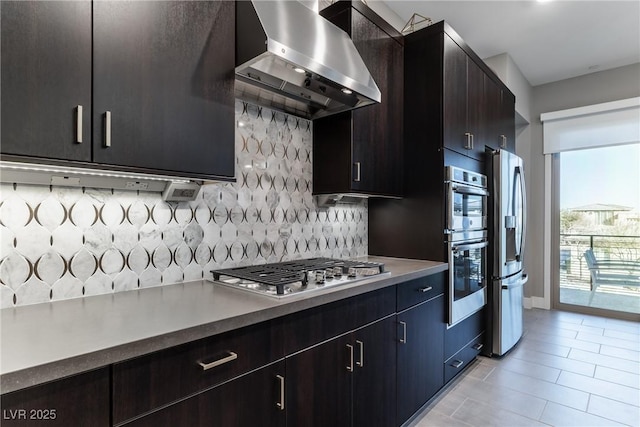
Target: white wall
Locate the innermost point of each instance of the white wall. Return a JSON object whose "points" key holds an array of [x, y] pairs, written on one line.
{"points": [[604, 86]]}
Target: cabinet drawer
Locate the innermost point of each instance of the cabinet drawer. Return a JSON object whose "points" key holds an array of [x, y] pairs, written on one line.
{"points": [[419, 290], [459, 335], [157, 379], [251, 400], [318, 324], [456, 363]]}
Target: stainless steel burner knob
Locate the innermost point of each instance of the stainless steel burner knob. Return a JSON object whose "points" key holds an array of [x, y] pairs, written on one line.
{"points": [[352, 272], [337, 271], [320, 277], [329, 273]]}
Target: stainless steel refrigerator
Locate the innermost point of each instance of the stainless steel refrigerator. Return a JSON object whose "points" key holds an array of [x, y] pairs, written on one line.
{"points": [[508, 199]]}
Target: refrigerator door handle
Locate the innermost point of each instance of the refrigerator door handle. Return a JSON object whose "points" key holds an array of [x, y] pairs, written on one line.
{"points": [[519, 172], [521, 282]]}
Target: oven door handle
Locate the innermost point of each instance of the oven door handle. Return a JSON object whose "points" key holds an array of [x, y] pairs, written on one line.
{"points": [[466, 189], [469, 246]]}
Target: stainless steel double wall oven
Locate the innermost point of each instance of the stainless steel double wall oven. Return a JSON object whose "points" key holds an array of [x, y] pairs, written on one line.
{"points": [[466, 232]]}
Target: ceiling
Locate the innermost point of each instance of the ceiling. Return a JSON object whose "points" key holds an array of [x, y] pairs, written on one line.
{"points": [[549, 41]]}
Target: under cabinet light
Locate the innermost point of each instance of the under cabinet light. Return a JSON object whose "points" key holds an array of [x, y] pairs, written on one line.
{"points": [[39, 174]]}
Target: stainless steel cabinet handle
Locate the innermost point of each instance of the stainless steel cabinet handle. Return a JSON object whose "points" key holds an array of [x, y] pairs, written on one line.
{"points": [[469, 144], [280, 404], [350, 365], [503, 142], [107, 129], [357, 177], [79, 124], [457, 363], [478, 346], [229, 358], [403, 340], [360, 362], [426, 289]]}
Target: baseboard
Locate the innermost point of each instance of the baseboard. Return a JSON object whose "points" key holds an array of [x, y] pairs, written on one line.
{"points": [[536, 302]]}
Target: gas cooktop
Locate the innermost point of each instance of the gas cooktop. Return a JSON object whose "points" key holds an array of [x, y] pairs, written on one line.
{"points": [[289, 278]]}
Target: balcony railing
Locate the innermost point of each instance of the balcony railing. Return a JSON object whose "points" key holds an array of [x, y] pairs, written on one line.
{"points": [[574, 272]]}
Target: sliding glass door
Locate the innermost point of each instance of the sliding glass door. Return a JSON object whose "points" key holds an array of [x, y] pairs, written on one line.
{"points": [[596, 236]]}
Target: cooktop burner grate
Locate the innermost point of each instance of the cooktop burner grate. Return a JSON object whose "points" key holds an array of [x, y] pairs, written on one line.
{"points": [[285, 273]]}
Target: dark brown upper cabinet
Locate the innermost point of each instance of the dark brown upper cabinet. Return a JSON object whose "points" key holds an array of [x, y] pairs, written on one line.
{"points": [[473, 107], [162, 77], [46, 76], [360, 151], [499, 116], [164, 72], [507, 120], [463, 100]]}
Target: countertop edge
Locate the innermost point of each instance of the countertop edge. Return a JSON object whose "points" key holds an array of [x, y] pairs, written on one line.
{"points": [[55, 370]]}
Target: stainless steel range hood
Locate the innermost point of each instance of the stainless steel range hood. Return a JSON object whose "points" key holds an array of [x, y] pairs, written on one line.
{"points": [[290, 58]]}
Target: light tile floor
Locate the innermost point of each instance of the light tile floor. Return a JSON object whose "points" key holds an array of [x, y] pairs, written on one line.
{"points": [[569, 369]]}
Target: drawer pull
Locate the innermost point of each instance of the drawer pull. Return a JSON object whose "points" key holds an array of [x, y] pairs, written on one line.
{"points": [[426, 289], [457, 363], [360, 362], [280, 404], [229, 358], [403, 340], [478, 346], [350, 365]]}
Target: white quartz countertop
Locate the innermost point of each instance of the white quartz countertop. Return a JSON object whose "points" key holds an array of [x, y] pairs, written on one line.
{"points": [[44, 342]]}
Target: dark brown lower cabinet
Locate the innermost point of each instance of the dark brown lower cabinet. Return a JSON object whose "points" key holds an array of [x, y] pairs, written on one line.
{"points": [[462, 343], [80, 400], [319, 385], [254, 399], [420, 354], [149, 382], [344, 367], [349, 380], [374, 376]]}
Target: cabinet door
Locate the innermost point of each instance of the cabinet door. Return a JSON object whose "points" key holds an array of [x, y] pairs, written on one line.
{"points": [[374, 375], [361, 151], [420, 354], [46, 74], [475, 106], [247, 401], [318, 385], [455, 98], [463, 102], [377, 129], [80, 400], [499, 117], [164, 70], [492, 114], [507, 119]]}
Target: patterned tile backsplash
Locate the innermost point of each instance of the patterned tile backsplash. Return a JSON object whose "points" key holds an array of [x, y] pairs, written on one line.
{"points": [[58, 242]]}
